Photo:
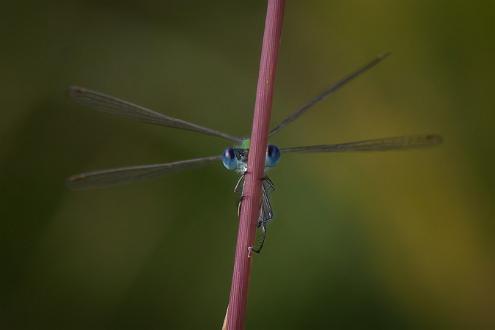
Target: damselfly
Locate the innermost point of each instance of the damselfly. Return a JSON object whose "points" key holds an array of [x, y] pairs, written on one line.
{"points": [[234, 157]]}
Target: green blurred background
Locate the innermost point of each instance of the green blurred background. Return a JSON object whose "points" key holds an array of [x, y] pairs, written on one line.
{"points": [[400, 240]]}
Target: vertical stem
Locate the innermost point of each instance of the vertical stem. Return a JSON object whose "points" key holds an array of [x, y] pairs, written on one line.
{"points": [[250, 208]]}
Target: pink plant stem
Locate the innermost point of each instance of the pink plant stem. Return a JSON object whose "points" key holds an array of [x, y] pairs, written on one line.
{"points": [[250, 208]]}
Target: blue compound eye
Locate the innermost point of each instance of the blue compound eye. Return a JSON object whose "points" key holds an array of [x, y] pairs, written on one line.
{"points": [[272, 155], [228, 159]]}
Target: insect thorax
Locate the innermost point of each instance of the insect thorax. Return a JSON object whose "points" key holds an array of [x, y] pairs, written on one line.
{"points": [[241, 156]]}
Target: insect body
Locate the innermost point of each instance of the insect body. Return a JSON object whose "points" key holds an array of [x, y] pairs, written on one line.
{"points": [[233, 158]]}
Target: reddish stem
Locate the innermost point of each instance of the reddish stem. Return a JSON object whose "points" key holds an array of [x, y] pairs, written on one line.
{"points": [[251, 202]]}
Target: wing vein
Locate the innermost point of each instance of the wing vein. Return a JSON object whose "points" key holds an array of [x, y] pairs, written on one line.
{"points": [[384, 144], [115, 106], [330, 90], [105, 178]]}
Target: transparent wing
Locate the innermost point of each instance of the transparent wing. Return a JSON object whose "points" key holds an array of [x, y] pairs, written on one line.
{"points": [[115, 106], [330, 90], [385, 144], [266, 212], [105, 178]]}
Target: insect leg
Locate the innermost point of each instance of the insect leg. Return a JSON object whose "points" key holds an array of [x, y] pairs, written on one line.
{"points": [[236, 189], [269, 182], [238, 184]]}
